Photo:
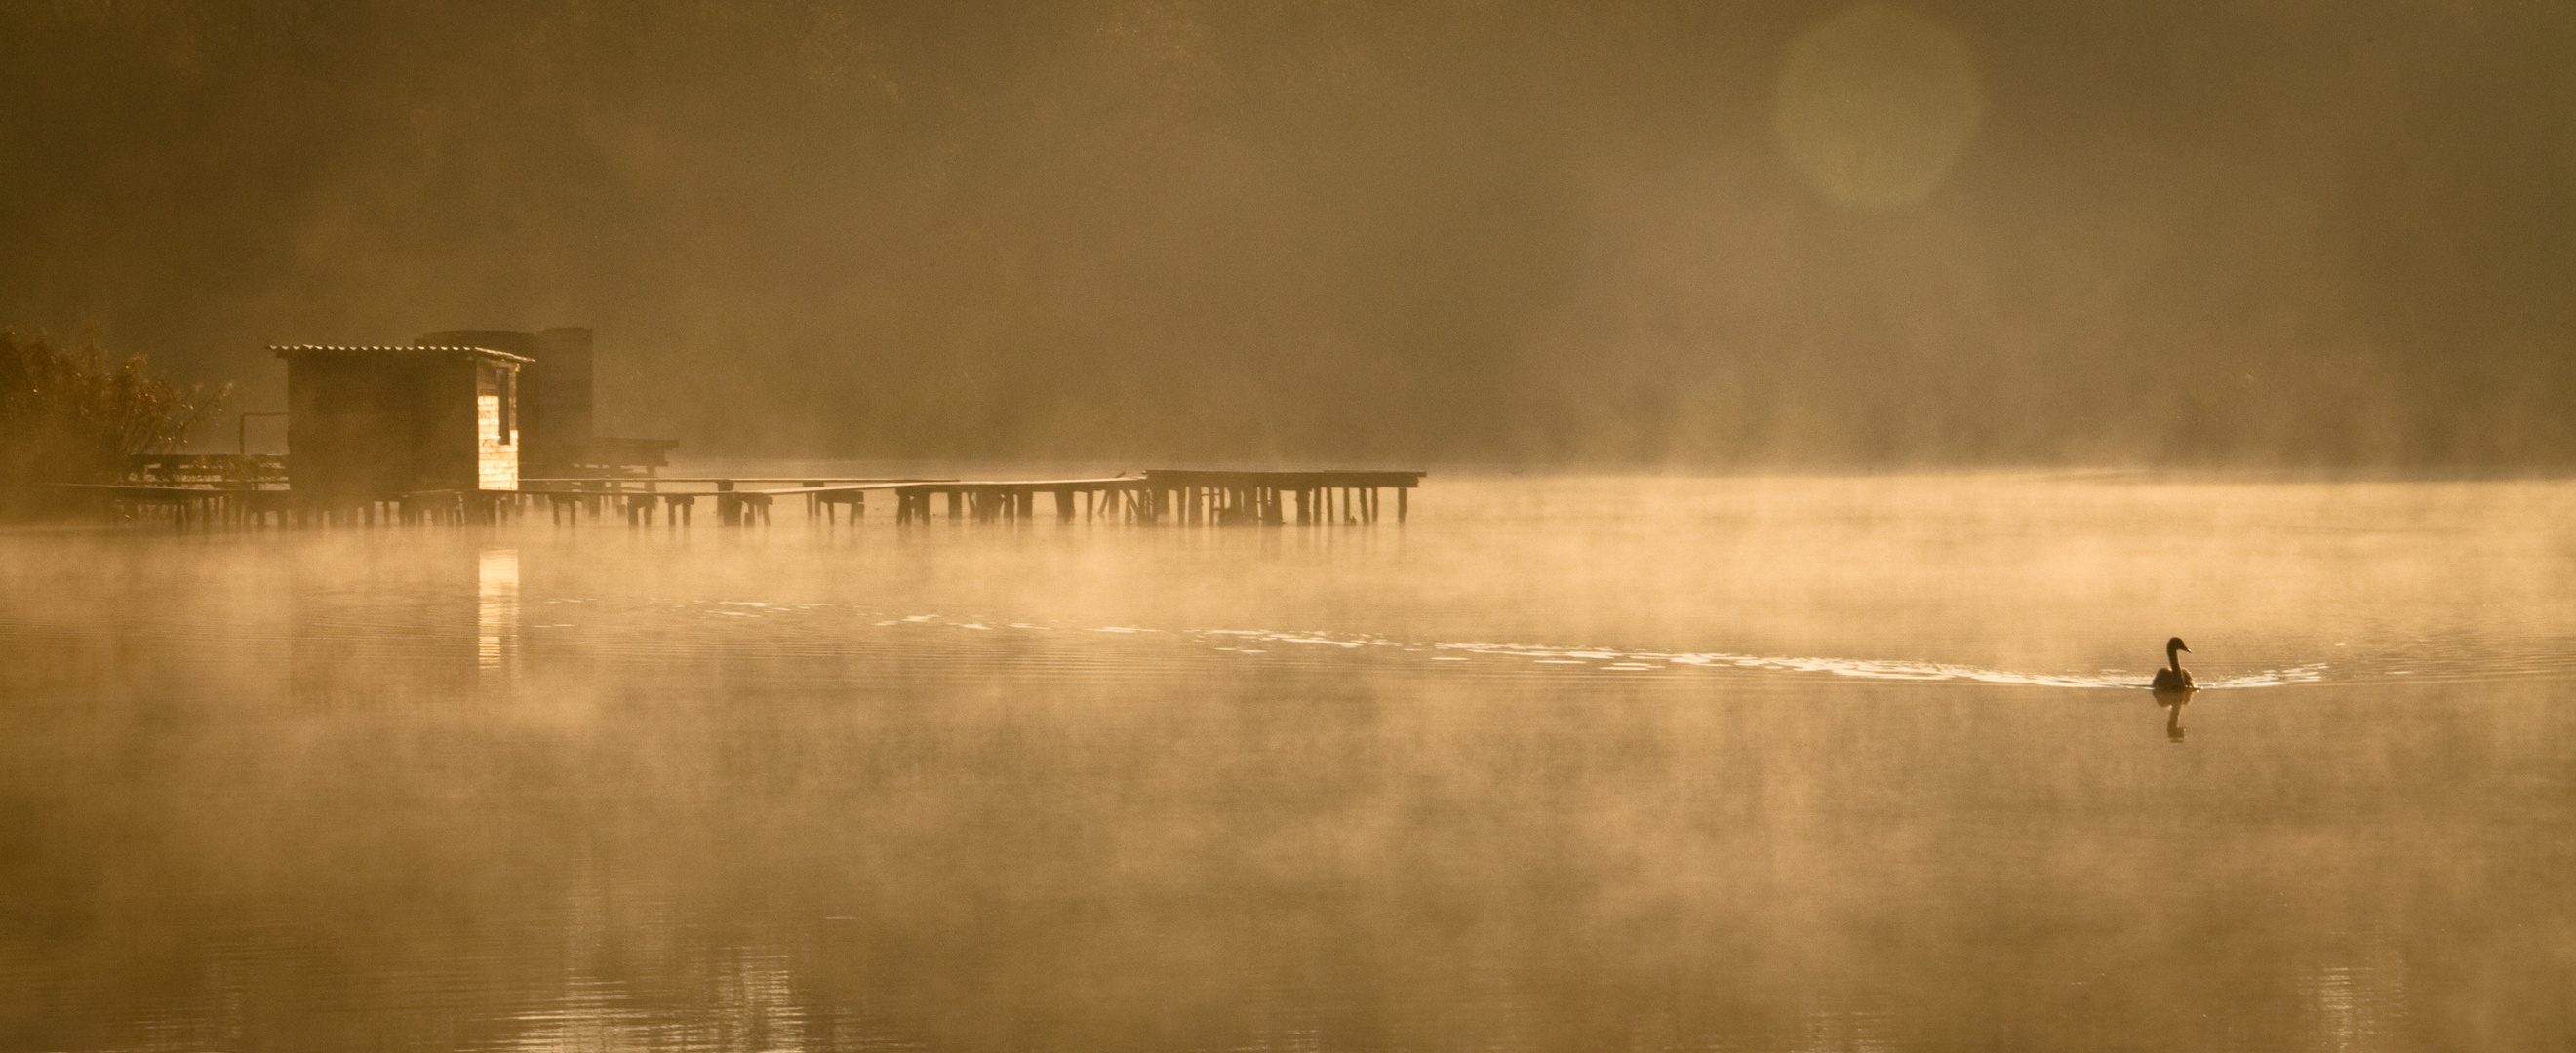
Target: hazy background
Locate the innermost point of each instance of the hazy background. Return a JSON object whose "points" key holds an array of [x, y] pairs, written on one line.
{"points": [[1452, 232]]}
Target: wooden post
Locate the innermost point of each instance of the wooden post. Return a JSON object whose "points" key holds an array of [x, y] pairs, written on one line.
{"points": [[1401, 493]]}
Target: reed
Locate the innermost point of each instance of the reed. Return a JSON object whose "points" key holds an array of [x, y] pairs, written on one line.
{"points": [[77, 415]]}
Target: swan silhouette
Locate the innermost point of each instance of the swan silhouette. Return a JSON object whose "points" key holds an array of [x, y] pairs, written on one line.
{"points": [[2173, 677]]}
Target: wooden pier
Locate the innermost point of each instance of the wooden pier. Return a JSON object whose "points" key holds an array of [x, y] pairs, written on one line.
{"points": [[1185, 498], [1164, 496], [475, 425], [676, 497], [1160, 496]]}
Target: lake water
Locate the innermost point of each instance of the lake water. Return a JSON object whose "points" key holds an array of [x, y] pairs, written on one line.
{"points": [[1561, 764]]}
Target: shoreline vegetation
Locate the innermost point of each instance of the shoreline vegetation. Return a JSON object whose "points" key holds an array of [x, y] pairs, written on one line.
{"points": [[76, 414]]}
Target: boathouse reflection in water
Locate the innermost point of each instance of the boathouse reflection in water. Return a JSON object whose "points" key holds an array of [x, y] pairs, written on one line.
{"points": [[388, 616], [496, 610]]}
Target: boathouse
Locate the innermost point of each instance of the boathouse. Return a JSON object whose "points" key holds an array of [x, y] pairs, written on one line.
{"points": [[375, 423]]}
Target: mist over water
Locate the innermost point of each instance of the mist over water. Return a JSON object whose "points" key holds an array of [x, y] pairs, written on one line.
{"points": [[1562, 763]]}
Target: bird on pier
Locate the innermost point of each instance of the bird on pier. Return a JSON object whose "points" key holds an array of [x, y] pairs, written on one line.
{"points": [[2173, 677]]}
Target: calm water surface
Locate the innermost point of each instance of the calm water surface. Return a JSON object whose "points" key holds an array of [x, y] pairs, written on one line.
{"points": [[1564, 764]]}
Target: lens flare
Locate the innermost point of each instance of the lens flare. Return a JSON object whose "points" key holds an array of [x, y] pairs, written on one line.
{"points": [[1876, 104]]}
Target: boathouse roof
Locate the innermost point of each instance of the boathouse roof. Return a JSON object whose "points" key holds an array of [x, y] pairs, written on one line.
{"points": [[284, 350]]}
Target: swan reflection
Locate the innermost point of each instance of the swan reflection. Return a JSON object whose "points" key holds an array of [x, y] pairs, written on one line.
{"points": [[2173, 701]]}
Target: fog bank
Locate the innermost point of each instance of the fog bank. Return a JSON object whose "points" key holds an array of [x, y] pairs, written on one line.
{"points": [[1434, 233]]}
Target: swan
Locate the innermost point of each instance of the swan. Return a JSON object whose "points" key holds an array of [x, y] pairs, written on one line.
{"points": [[2173, 677]]}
